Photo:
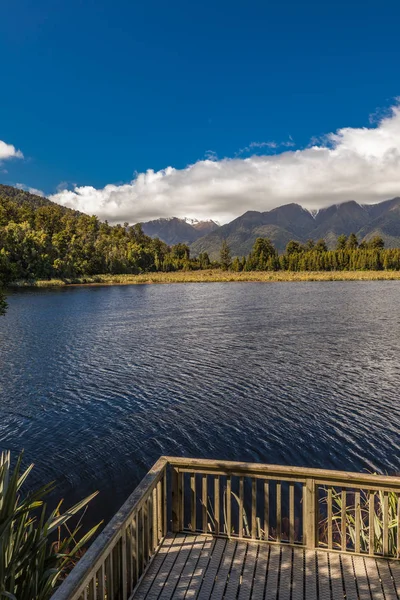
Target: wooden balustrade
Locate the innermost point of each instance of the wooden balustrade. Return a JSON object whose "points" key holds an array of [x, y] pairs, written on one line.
{"points": [[311, 508], [117, 559]]}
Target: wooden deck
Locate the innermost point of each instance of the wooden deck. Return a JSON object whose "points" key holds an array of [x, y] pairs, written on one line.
{"points": [[202, 567]]}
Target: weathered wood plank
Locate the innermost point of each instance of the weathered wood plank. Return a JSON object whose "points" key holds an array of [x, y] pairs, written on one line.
{"points": [[236, 570], [200, 569], [260, 575], [273, 572], [224, 570], [159, 580], [374, 580], [151, 574], [285, 577], [361, 577], [175, 573], [310, 575], [248, 572], [324, 590], [348, 577], [336, 576], [388, 585], [190, 567], [212, 569], [298, 574]]}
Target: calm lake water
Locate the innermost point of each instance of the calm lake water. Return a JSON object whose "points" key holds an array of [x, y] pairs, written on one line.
{"points": [[97, 382]]}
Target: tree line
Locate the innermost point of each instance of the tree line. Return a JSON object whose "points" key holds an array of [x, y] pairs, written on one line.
{"points": [[349, 255], [49, 241]]}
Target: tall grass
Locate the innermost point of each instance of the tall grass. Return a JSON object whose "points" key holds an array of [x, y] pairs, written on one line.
{"points": [[37, 547]]}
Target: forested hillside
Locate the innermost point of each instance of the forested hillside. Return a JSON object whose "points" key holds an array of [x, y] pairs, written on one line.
{"points": [[40, 239]]}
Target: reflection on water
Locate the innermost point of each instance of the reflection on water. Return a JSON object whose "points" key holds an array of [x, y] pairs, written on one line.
{"points": [[97, 382]]}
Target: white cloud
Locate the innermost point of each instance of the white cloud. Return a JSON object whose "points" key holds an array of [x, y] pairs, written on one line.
{"points": [[9, 151], [31, 190], [361, 164]]}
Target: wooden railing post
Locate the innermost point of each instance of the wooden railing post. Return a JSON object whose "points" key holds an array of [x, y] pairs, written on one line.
{"points": [[176, 497], [310, 513]]}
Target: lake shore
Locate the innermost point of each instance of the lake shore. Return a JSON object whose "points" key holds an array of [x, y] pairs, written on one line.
{"points": [[218, 276]]}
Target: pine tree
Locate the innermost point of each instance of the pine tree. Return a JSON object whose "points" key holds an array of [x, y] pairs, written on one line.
{"points": [[225, 256]]}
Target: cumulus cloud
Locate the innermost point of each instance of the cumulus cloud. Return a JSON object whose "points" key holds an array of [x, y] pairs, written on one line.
{"points": [[361, 164], [9, 151]]}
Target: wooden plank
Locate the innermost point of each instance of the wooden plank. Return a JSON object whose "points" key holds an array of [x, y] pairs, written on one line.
{"points": [[385, 524], [124, 567], [266, 510], [151, 574], [175, 501], [394, 567], [172, 580], [310, 575], [248, 572], [190, 567], [323, 476], [224, 570], [204, 502], [92, 560], [228, 523], [324, 590], [291, 513], [278, 511], [309, 513], [159, 512], [200, 569], [273, 571], [348, 577], [361, 577], [217, 505], [165, 501], [398, 528], [158, 578], [336, 576], [357, 516], [241, 492], [298, 574], [329, 501], [236, 570], [371, 524], [212, 569], [101, 583], [343, 520], [253, 508], [285, 577], [260, 574], [193, 502], [374, 579], [388, 584]]}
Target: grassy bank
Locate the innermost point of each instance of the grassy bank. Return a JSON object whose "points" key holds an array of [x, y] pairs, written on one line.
{"points": [[216, 276]]}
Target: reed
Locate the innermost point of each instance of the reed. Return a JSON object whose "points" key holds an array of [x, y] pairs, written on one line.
{"points": [[217, 276]]}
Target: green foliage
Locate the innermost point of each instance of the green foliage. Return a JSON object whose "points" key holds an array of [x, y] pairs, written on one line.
{"points": [[3, 304], [34, 555], [369, 503], [225, 256]]}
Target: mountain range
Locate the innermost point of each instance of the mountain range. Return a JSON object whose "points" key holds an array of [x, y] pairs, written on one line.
{"points": [[282, 224], [285, 223]]}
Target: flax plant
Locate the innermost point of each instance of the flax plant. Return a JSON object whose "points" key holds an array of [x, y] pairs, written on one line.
{"points": [[37, 548]]}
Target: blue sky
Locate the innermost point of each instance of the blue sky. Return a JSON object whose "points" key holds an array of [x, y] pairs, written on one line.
{"points": [[93, 92]]}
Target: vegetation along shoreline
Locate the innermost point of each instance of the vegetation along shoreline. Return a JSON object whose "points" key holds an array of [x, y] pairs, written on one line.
{"points": [[211, 276]]}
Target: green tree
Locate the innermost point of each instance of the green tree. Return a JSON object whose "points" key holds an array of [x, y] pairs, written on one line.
{"points": [[321, 246], [341, 242], [225, 256], [293, 247], [352, 242], [376, 243]]}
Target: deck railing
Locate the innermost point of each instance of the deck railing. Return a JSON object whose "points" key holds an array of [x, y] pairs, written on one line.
{"points": [[313, 508]]}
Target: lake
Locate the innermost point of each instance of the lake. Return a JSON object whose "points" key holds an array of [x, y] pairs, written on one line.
{"points": [[97, 382]]}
